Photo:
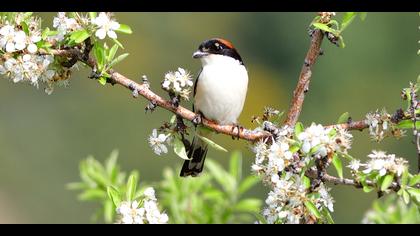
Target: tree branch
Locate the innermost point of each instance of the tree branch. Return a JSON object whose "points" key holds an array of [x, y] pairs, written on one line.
{"points": [[305, 76], [413, 107], [313, 174]]}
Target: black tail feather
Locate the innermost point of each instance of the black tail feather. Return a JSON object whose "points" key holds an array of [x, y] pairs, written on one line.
{"points": [[197, 155]]}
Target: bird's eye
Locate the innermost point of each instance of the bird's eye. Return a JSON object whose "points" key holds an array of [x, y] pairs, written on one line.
{"points": [[204, 49]]}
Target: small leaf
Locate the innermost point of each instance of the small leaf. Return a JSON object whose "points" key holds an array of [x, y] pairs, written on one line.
{"points": [[235, 165], [347, 19], [114, 195], [407, 124], [312, 208], [118, 59], [102, 80], [298, 129], [326, 28], [112, 52], [131, 186], [79, 36], [25, 27], [118, 43], [406, 197], [124, 29], [327, 216], [306, 182], [338, 165], [92, 194], [367, 188], [414, 192], [248, 205], [179, 148], [211, 143], [404, 178], [342, 44], [414, 180], [99, 53], [344, 118], [387, 181], [108, 211], [247, 183]]}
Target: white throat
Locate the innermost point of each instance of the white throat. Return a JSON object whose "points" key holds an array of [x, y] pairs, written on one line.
{"points": [[214, 59]]}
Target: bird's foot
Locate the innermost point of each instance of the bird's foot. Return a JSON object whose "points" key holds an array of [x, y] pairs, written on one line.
{"points": [[240, 128], [198, 119]]}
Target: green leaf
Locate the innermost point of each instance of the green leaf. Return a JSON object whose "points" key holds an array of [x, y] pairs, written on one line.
{"points": [[306, 182], [99, 53], [235, 166], [131, 186], [414, 180], [248, 205], [338, 165], [79, 36], [347, 19], [111, 162], [112, 53], [342, 44], [387, 181], [108, 211], [114, 195], [179, 148], [326, 28], [124, 29], [118, 43], [414, 192], [298, 129], [92, 194], [118, 59], [406, 196], [327, 216], [102, 80], [92, 15], [404, 178], [344, 118], [367, 189], [247, 183], [25, 27], [312, 208], [407, 124], [211, 143]]}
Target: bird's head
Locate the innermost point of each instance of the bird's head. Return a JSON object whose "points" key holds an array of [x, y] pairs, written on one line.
{"points": [[216, 47]]}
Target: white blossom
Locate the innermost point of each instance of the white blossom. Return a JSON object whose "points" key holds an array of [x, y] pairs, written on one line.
{"points": [[64, 25], [179, 82], [157, 142], [106, 25], [144, 212], [354, 164], [385, 163]]}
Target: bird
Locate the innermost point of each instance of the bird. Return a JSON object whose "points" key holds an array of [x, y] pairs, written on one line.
{"points": [[219, 95]]}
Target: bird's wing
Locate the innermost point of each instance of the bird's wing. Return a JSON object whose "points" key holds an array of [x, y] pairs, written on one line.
{"points": [[195, 86]]}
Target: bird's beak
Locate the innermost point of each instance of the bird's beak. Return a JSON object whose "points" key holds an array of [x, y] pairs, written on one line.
{"points": [[199, 54]]}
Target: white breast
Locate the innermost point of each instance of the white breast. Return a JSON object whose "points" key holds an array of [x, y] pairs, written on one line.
{"points": [[221, 89]]}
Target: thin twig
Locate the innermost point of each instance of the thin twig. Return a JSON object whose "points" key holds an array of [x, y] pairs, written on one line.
{"points": [[304, 78], [413, 107]]}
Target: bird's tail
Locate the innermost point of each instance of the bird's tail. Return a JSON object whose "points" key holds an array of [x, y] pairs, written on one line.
{"points": [[197, 155]]}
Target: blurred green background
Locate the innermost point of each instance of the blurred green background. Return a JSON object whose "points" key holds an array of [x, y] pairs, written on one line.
{"points": [[43, 138]]}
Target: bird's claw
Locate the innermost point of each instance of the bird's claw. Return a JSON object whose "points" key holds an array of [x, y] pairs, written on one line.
{"points": [[198, 119], [238, 134]]}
